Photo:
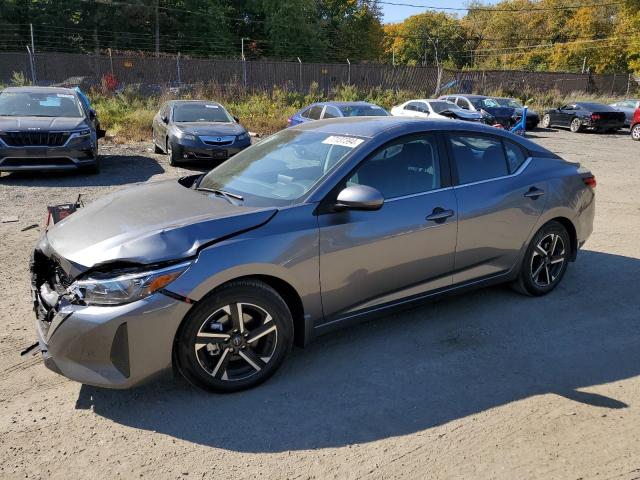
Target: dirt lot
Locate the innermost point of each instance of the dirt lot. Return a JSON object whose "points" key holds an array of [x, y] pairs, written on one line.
{"points": [[488, 385]]}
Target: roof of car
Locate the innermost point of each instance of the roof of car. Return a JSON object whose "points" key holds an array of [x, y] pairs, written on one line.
{"points": [[392, 127], [208, 102], [40, 89], [345, 104]]}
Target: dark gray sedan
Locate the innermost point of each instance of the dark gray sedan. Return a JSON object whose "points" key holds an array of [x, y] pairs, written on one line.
{"points": [[628, 107], [197, 130], [46, 128], [314, 228]]}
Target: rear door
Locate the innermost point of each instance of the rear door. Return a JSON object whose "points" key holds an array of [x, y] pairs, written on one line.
{"points": [[372, 258], [498, 204], [565, 115]]}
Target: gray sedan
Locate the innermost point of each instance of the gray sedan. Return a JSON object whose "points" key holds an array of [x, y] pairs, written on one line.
{"points": [[312, 229], [197, 130]]}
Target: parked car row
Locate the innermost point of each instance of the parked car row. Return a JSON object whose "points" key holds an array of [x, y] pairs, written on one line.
{"points": [[45, 128]]}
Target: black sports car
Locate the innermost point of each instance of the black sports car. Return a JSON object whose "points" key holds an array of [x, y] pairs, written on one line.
{"points": [[582, 115]]}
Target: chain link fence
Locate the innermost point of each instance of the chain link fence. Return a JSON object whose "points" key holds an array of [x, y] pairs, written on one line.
{"points": [[172, 71]]}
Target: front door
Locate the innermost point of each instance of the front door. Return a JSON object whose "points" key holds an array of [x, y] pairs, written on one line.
{"points": [[372, 258]]}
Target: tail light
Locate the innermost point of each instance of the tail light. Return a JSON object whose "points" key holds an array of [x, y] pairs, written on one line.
{"points": [[595, 116], [289, 121], [590, 181]]}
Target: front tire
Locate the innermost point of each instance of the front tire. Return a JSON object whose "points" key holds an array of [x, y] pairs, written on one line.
{"points": [[635, 132], [545, 261], [546, 121], [175, 154], [576, 125], [236, 338]]}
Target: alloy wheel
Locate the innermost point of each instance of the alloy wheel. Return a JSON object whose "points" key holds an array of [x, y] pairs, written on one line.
{"points": [[236, 342], [547, 260], [635, 132], [546, 121], [576, 125]]}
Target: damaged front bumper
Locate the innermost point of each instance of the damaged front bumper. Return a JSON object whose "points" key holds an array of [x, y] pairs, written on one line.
{"points": [[107, 346]]}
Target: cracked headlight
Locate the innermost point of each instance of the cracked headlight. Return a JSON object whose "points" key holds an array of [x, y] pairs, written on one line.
{"points": [[125, 288]]}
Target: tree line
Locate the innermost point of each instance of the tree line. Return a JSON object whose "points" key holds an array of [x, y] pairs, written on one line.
{"points": [[600, 36]]}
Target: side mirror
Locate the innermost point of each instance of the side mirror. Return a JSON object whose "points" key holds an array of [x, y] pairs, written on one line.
{"points": [[236, 119], [359, 197], [92, 114], [164, 119]]}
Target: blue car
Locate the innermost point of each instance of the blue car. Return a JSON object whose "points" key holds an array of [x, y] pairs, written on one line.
{"points": [[317, 111]]}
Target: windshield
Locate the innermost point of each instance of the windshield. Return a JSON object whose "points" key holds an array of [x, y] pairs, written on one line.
{"points": [[281, 168], [508, 102], [363, 111], [36, 104], [200, 112], [484, 103], [442, 106]]}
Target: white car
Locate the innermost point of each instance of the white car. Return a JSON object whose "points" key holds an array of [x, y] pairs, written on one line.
{"points": [[432, 108]]}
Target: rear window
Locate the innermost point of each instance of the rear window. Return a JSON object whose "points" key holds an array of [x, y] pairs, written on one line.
{"points": [[38, 104], [363, 111], [478, 158], [596, 107], [314, 112]]}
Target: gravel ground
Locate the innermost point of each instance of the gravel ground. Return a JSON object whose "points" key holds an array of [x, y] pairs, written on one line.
{"points": [[487, 385]]}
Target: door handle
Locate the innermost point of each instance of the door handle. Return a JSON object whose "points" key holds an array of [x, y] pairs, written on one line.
{"points": [[439, 215], [534, 193]]}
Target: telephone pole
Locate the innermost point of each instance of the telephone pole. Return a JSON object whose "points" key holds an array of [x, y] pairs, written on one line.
{"points": [[157, 12]]}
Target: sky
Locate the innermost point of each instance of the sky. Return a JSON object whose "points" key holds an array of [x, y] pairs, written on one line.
{"points": [[395, 13]]}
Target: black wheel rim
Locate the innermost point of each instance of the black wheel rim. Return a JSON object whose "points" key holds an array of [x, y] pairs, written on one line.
{"points": [[547, 260], [236, 342]]}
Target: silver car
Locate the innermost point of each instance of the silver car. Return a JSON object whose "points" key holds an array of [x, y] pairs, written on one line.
{"points": [[315, 227]]}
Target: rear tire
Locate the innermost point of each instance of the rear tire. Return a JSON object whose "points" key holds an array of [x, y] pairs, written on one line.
{"points": [[635, 132], [221, 351], [576, 125], [545, 261], [546, 121], [157, 149]]}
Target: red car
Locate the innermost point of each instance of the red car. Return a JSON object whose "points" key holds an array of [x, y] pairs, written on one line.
{"points": [[635, 125]]}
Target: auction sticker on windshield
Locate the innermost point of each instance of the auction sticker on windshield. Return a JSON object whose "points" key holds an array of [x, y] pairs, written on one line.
{"points": [[343, 141]]}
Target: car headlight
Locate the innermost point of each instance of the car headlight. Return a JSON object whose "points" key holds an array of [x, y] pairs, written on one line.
{"points": [[125, 288], [243, 137], [185, 136]]}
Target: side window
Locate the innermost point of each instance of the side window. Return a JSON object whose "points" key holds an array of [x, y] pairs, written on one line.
{"points": [[515, 155], [403, 167], [462, 103], [330, 112], [314, 112], [422, 107], [411, 107], [478, 157], [305, 112]]}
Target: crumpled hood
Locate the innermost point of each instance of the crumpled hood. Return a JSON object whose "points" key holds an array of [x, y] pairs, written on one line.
{"points": [[213, 128], [41, 123], [146, 224]]}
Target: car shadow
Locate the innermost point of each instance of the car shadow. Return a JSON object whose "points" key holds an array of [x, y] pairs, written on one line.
{"points": [[114, 170], [407, 372]]}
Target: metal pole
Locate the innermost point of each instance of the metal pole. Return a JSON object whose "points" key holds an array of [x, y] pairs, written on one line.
{"points": [[33, 51], [628, 85], [584, 64], [33, 74], [244, 64], [157, 11], [349, 77], [393, 55], [110, 60], [178, 69], [300, 81]]}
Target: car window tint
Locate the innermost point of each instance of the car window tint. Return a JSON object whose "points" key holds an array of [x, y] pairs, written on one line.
{"points": [[403, 167], [314, 112], [305, 112], [330, 112], [515, 155], [478, 157], [462, 103]]}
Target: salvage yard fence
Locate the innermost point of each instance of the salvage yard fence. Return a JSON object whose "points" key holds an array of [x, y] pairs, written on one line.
{"points": [[157, 72]]}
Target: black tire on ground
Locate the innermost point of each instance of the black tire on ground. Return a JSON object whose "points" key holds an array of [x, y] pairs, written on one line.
{"points": [[175, 154], [635, 132], [216, 352], [545, 261], [546, 121], [576, 125]]}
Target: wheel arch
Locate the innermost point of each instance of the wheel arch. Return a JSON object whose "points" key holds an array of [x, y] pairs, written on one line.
{"points": [[571, 230]]}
